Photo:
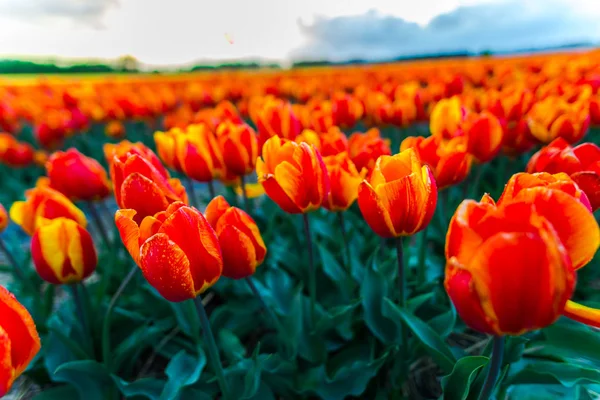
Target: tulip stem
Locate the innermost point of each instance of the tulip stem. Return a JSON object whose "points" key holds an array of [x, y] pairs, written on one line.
{"points": [[344, 238], [245, 195], [402, 292], [312, 279], [213, 352], [13, 263], [268, 309], [422, 268], [211, 190], [107, 315], [493, 369], [99, 224], [83, 320], [192, 196]]}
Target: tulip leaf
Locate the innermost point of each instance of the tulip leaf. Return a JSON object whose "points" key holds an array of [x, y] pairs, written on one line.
{"points": [[149, 388], [444, 323], [57, 393], [549, 372], [183, 370], [231, 346], [573, 340], [457, 384], [414, 303], [543, 392], [187, 317], [434, 344], [91, 379], [333, 269]]}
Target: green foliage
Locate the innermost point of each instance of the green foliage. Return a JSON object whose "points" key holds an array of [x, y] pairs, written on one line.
{"points": [[354, 349]]}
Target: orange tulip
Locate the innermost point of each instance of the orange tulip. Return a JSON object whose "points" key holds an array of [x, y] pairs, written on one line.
{"points": [[177, 250], [114, 129], [239, 146], [141, 186], [195, 152], [19, 340], [507, 271], [517, 138], [77, 176], [400, 197], [44, 203], [447, 118], [241, 244], [344, 179], [63, 251], [3, 218], [448, 159], [365, 148], [15, 153], [125, 147], [293, 175], [553, 117], [309, 137], [276, 118], [346, 110], [333, 142], [484, 136], [582, 163]]}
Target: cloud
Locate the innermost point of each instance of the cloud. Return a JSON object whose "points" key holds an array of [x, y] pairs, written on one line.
{"points": [[497, 26], [88, 12]]}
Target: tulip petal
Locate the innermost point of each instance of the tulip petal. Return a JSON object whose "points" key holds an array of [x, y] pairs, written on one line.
{"points": [[7, 373], [239, 255], [129, 232], [215, 209], [279, 196], [166, 267], [374, 212], [141, 194], [585, 315], [589, 182]]}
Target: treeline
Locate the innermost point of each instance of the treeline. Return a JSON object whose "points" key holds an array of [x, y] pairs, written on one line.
{"points": [[30, 67]]}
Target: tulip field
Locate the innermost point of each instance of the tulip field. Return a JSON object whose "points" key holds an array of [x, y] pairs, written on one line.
{"points": [[418, 230]]}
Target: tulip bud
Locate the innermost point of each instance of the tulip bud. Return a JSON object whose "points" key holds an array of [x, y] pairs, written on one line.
{"points": [[77, 176], [44, 203], [484, 136], [241, 244], [344, 179], [365, 148], [239, 145], [447, 117], [19, 340], [400, 197], [15, 153], [63, 251], [177, 250], [293, 175]]}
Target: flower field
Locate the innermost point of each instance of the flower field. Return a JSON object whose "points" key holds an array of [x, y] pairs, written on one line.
{"points": [[418, 230]]}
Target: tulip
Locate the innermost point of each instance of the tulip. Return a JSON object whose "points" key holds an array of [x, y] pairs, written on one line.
{"points": [[553, 117], [15, 153], [77, 176], [582, 163], [114, 129], [63, 251], [517, 138], [346, 109], [44, 203], [344, 179], [241, 244], [400, 197], [276, 118], [177, 250], [447, 118], [3, 218], [333, 142], [484, 136], [448, 159], [19, 340], [309, 137], [141, 186], [293, 175], [507, 270], [365, 148], [239, 146], [125, 148]]}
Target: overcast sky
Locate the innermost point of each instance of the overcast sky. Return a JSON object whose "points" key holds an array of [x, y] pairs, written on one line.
{"points": [[163, 32]]}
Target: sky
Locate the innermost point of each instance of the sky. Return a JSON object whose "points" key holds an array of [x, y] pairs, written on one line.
{"points": [[178, 32]]}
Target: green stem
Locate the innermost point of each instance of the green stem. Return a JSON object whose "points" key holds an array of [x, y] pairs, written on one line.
{"points": [[312, 279], [192, 196], [493, 369], [211, 189], [402, 301], [422, 268], [245, 195], [268, 309], [213, 352], [99, 224], [345, 239], [107, 316], [83, 318]]}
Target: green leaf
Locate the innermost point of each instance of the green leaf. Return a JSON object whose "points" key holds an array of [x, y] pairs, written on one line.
{"points": [[444, 323], [138, 340], [231, 346], [414, 303], [458, 383], [252, 378], [57, 393], [91, 379], [434, 344], [183, 370], [573, 340], [339, 318], [149, 388], [548, 372], [187, 318], [540, 392], [333, 269], [373, 289]]}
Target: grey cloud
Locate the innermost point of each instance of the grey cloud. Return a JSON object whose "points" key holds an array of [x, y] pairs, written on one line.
{"points": [[88, 12], [500, 26]]}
